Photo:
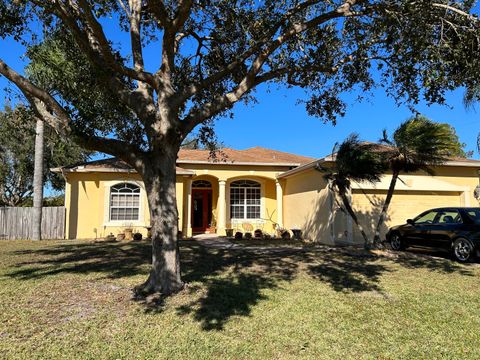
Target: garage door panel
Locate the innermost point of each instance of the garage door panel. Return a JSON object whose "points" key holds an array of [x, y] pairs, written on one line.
{"points": [[405, 205]]}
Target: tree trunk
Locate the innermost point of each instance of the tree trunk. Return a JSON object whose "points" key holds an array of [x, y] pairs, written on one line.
{"points": [[160, 179], [348, 207], [386, 204], [38, 182]]}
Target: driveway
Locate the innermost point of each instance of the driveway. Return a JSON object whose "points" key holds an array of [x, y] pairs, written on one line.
{"points": [[213, 241]]}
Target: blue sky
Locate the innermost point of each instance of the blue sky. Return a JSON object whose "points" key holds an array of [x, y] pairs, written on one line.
{"points": [[278, 122]]}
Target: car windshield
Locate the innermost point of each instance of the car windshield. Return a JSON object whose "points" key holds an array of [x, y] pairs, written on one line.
{"points": [[474, 214]]}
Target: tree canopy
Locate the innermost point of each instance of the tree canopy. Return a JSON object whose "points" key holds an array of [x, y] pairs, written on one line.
{"points": [[214, 53]]}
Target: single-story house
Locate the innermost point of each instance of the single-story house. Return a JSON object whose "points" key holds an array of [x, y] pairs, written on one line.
{"points": [[250, 189]]}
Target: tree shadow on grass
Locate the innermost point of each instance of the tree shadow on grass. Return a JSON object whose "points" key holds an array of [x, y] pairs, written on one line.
{"points": [[232, 296], [232, 282], [227, 283], [112, 259], [344, 273], [433, 260]]}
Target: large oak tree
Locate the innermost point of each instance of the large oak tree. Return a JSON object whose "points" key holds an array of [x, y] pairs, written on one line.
{"points": [[213, 54]]}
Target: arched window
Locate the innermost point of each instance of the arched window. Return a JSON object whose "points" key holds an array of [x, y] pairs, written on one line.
{"points": [[124, 202], [245, 199], [202, 184]]}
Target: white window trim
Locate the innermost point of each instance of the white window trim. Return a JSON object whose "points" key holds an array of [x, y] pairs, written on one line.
{"points": [[262, 202], [124, 223]]}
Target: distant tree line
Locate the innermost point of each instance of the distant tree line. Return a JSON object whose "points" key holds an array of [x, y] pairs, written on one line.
{"points": [[17, 152]]}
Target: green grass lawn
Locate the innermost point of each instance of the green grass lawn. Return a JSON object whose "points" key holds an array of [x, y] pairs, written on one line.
{"points": [[72, 299]]}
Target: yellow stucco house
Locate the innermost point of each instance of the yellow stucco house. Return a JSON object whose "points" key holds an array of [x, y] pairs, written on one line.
{"points": [[256, 188]]}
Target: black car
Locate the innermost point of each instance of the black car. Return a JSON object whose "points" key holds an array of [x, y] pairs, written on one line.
{"points": [[456, 229]]}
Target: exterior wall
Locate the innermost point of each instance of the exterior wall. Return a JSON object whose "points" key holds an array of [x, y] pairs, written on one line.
{"points": [[307, 203], [265, 175], [86, 200], [310, 206], [87, 197]]}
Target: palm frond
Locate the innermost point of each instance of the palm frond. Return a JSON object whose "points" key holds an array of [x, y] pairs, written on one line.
{"points": [[423, 143], [359, 161], [384, 139], [471, 96]]}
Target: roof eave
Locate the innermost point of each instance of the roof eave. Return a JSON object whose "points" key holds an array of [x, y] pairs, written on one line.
{"points": [[300, 169], [237, 163], [329, 159], [60, 170], [462, 163]]}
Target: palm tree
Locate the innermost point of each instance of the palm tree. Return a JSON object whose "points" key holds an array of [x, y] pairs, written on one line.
{"points": [[38, 181], [354, 161], [417, 144]]}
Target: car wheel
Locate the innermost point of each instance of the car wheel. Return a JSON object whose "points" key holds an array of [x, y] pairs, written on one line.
{"points": [[463, 250], [396, 242]]}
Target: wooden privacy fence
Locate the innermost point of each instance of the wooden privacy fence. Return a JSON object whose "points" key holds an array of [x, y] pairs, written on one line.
{"points": [[17, 223]]}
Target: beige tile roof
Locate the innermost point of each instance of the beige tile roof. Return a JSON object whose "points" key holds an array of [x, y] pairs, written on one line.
{"points": [[255, 155]]}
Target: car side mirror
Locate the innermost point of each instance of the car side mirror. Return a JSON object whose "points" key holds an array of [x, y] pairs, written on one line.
{"points": [[410, 221]]}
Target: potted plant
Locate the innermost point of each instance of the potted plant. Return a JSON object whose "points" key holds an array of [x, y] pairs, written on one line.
{"points": [[282, 233], [297, 233], [212, 229], [229, 232], [110, 237], [128, 232]]}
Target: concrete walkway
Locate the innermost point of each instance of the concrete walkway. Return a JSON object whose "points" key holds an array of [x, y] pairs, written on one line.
{"points": [[214, 241]]}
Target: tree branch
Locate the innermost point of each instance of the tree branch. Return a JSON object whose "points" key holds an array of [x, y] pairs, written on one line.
{"points": [[169, 39], [343, 10], [121, 149], [61, 125], [197, 116], [135, 33], [124, 7], [158, 10], [93, 41], [455, 10], [47, 108]]}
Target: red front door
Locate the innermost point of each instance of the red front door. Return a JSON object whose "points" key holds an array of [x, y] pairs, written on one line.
{"points": [[201, 209]]}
